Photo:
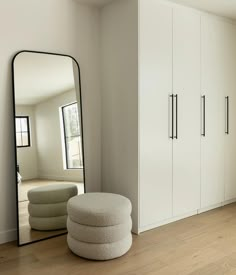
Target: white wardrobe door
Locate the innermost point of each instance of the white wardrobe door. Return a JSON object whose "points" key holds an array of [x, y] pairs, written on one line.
{"points": [[155, 86], [213, 85], [186, 83], [230, 92]]}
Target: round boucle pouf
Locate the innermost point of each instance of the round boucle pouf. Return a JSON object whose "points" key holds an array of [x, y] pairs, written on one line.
{"points": [[99, 225], [98, 234], [54, 193], [48, 206], [47, 210], [46, 224], [99, 209], [101, 252]]}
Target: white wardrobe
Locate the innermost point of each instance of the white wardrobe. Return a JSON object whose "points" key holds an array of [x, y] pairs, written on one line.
{"points": [[168, 86]]}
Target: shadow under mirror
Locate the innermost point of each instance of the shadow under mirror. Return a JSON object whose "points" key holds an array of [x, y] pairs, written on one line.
{"points": [[49, 144]]}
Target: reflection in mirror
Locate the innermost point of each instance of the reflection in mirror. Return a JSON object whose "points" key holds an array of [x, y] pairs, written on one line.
{"points": [[49, 144]]}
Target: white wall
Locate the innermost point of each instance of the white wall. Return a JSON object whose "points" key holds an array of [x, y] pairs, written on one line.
{"points": [[119, 89], [49, 139], [61, 26], [27, 156]]}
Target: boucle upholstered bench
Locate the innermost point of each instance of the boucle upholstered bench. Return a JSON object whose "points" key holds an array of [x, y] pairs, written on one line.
{"points": [[99, 225], [48, 206]]}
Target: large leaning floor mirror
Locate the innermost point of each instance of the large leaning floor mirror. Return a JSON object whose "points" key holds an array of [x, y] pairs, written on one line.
{"points": [[49, 142]]}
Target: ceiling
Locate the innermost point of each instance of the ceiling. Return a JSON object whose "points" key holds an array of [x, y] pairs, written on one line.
{"points": [[225, 8], [39, 77], [98, 3]]}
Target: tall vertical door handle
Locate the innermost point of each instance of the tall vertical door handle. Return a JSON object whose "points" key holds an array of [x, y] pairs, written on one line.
{"points": [[172, 116], [203, 116], [227, 115], [176, 116]]}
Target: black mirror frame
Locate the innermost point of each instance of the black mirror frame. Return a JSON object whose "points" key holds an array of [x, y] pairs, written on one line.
{"points": [[15, 148]]}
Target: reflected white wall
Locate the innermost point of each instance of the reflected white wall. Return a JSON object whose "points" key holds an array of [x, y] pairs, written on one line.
{"points": [[50, 140]]}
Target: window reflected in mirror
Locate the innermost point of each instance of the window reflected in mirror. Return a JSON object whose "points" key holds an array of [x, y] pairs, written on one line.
{"points": [[72, 136], [22, 131]]}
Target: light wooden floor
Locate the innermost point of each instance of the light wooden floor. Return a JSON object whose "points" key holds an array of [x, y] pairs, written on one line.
{"points": [[200, 245], [26, 233]]}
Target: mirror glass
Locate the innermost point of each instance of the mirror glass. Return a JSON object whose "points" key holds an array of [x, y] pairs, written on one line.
{"points": [[49, 143]]}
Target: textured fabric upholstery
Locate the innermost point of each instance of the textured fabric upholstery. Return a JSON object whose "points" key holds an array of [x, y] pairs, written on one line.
{"points": [[99, 234], [47, 210], [48, 206], [99, 225], [45, 224], [104, 251], [99, 209], [55, 193]]}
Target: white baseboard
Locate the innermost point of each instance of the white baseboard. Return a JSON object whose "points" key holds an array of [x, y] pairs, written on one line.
{"points": [[229, 201], [8, 236], [199, 211], [167, 221], [211, 207], [217, 205]]}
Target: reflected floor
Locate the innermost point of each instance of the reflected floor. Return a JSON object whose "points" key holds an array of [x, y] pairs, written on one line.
{"points": [[26, 233]]}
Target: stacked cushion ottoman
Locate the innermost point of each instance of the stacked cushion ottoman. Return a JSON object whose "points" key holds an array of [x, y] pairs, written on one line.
{"points": [[99, 225], [48, 206]]}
